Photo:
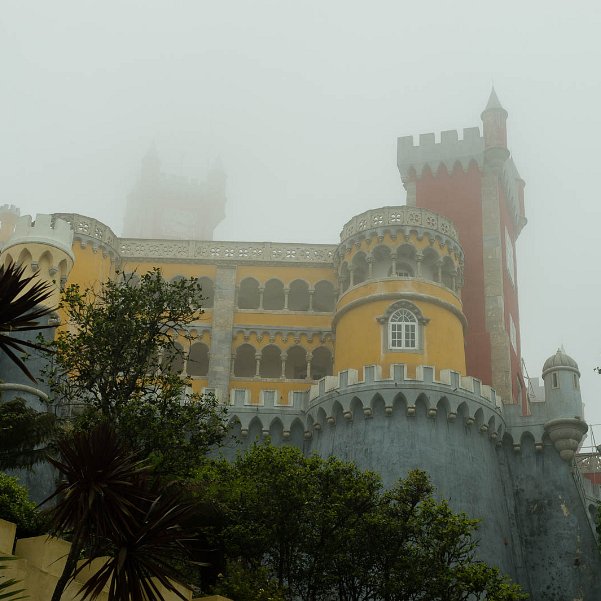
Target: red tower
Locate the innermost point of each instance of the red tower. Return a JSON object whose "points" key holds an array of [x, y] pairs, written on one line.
{"points": [[474, 182]]}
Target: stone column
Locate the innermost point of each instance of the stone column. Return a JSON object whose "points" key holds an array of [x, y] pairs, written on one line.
{"points": [[286, 293], [258, 365], [221, 335], [283, 357], [261, 291], [419, 257], [494, 301], [351, 270], [309, 357], [311, 293], [439, 271], [393, 258], [370, 267]]}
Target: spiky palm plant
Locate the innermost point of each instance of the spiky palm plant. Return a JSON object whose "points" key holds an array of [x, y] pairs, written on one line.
{"points": [[9, 583], [112, 506], [21, 306]]}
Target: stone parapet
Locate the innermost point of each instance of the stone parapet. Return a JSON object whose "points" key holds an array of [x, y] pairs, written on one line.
{"points": [[87, 230], [397, 219]]}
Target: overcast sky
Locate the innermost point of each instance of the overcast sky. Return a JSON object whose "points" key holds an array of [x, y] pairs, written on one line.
{"points": [[303, 102]]}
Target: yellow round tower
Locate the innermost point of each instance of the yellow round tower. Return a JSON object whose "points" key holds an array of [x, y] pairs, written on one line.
{"points": [[400, 272], [43, 246]]}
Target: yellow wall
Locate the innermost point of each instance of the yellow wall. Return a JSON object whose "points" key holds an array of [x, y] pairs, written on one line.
{"points": [[360, 337], [91, 267]]}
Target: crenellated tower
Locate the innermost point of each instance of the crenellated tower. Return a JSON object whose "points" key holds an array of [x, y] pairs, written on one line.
{"points": [[474, 182], [171, 207]]}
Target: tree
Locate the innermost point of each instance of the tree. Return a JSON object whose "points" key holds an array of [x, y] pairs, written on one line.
{"points": [[322, 529], [112, 505], [21, 306], [26, 435], [16, 507], [116, 362]]}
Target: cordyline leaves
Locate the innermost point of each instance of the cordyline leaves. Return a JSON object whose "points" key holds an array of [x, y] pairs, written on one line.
{"points": [[21, 307], [113, 507], [9, 583]]}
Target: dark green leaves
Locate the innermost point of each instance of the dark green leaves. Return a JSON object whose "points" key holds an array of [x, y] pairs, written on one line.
{"points": [[112, 505], [21, 306]]}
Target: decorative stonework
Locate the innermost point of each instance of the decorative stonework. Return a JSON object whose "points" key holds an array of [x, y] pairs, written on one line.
{"points": [[566, 434], [88, 230], [387, 217], [232, 252]]}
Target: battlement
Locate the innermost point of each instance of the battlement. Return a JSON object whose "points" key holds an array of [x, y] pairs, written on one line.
{"points": [[7, 209], [44, 230], [424, 374], [449, 151]]}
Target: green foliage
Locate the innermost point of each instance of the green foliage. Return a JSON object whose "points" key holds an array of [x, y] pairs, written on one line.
{"points": [[16, 507], [112, 505], [244, 584], [107, 366], [21, 307], [26, 434], [322, 529], [7, 585]]}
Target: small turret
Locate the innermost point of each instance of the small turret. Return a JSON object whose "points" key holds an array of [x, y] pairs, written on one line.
{"points": [[562, 385], [564, 403], [494, 121]]}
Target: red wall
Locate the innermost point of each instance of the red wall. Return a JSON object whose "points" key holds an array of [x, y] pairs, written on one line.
{"points": [[458, 197]]}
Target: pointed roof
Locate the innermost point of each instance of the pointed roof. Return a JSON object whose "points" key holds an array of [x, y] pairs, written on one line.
{"points": [[493, 102]]}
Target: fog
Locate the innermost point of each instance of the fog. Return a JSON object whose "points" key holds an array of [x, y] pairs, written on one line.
{"points": [[302, 102]]}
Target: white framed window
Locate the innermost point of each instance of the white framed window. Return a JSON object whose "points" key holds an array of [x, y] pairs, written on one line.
{"points": [[513, 335], [509, 257], [268, 397], [402, 330], [554, 380], [576, 382], [296, 397], [240, 396]]}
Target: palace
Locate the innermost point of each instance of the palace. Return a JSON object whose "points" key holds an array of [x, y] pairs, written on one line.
{"points": [[396, 347]]}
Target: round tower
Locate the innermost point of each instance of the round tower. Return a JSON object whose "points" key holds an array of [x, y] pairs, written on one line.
{"points": [[400, 275], [43, 246], [494, 125]]}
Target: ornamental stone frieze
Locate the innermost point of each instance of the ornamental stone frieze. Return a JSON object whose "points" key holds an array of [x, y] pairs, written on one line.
{"points": [[230, 252], [91, 231]]}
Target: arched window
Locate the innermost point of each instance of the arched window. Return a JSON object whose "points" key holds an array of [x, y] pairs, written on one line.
{"points": [[245, 362], [321, 364], [248, 294], [172, 360], [324, 297], [206, 285], [198, 360], [271, 362], [298, 297], [273, 296], [296, 363], [402, 330]]}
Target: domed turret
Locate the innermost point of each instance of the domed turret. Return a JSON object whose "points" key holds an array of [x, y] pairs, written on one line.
{"points": [[560, 360], [564, 403]]}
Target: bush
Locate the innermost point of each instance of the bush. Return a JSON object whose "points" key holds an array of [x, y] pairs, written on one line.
{"points": [[16, 507]]}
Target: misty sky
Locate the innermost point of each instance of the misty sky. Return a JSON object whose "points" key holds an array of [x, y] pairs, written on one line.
{"points": [[303, 102]]}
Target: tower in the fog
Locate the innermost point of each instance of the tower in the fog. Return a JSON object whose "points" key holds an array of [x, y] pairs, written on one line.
{"points": [[474, 182], [172, 207]]}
